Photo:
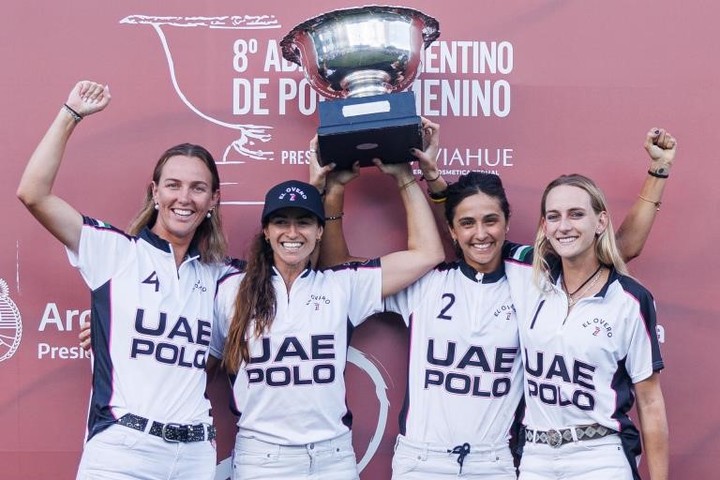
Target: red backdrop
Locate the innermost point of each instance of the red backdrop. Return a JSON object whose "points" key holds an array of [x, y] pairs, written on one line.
{"points": [[574, 87]]}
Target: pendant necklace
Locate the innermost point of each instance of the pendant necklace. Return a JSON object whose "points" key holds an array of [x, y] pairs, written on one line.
{"points": [[588, 284]]}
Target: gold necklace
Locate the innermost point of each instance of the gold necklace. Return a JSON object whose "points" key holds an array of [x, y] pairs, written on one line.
{"points": [[588, 284]]}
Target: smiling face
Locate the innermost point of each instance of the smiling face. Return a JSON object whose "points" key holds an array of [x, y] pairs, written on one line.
{"points": [[183, 196], [570, 223], [293, 234], [479, 227]]}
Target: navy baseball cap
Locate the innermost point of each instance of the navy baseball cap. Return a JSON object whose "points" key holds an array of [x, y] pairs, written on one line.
{"points": [[293, 194]]}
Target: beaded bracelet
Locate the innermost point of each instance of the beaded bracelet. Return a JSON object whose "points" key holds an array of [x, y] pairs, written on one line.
{"points": [[76, 116]]}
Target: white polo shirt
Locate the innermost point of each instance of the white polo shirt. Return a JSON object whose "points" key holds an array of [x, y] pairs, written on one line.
{"points": [[151, 326], [465, 374], [580, 367], [293, 390]]}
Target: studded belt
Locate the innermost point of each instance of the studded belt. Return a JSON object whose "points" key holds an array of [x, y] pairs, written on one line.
{"points": [[170, 432], [557, 438]]}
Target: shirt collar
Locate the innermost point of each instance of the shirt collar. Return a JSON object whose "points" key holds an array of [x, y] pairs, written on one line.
{"points": [[162, 244], [476, 276], [305, 273]]}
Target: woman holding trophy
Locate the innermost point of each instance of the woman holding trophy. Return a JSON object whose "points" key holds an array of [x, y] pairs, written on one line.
{"points": [[283, 326], [465, 378]]}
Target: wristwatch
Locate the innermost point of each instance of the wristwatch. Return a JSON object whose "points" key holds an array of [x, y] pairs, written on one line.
{"points": [[662, 171]]}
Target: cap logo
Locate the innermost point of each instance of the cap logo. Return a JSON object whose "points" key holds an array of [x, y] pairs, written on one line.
{"points": [[292, 193]]}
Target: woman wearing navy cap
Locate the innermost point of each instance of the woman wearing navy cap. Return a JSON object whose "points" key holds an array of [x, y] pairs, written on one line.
{"points": [[283, 328]]}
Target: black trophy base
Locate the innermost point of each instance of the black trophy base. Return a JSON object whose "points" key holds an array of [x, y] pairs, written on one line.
{"points": [[360, 129]]}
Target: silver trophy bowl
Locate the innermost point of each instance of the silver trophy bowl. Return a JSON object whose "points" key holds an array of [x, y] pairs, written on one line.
{"points": [[359, 52]]}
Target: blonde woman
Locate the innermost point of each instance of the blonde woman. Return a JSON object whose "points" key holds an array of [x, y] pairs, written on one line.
{"points": [[590, 349]]}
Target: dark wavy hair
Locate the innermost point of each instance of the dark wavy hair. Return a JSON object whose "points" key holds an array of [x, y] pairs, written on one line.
{"points": [[471, 184]]}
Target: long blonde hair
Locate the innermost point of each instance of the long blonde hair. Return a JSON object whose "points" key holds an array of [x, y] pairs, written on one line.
{"points": [[606, 249], [209, 236]]}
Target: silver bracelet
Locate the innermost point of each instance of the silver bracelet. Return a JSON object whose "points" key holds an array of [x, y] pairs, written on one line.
{"points": [[76, 116]]}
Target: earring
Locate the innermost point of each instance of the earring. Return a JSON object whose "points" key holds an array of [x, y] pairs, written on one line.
{"points": [[157, 207], [208, 214]]}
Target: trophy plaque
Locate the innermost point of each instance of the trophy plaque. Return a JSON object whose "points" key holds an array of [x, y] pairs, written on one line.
{"points": [[361, 60]]}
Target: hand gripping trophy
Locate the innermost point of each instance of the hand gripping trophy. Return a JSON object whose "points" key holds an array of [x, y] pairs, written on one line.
{"points": [[362, 59]]}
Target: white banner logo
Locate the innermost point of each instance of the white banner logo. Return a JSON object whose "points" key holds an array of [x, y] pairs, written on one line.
{"points": [[10, 323]]}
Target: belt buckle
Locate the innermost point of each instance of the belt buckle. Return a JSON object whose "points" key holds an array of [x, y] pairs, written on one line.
{"points": [[163, 432], [554, 438]]}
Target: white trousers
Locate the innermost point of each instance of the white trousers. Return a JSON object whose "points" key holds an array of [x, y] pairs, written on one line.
{"points": [[121, 453], [596, 459], [416, 461], [327, 460]]}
